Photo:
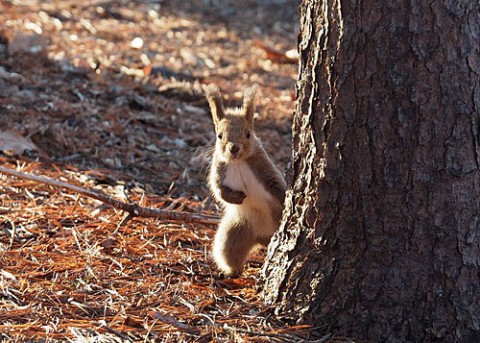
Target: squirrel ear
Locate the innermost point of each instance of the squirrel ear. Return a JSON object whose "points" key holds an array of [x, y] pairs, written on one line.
{"points": [[215, 102], [249, 96]]}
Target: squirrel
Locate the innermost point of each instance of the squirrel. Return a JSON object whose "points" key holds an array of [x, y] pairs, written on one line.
{"points": [[245, 181]]}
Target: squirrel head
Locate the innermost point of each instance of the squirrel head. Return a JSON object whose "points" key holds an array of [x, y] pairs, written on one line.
{"points": [[233, 126]]}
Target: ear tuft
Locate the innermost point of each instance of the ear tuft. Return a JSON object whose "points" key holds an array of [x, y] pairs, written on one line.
{"points": [[249, 96], [215, 102]]}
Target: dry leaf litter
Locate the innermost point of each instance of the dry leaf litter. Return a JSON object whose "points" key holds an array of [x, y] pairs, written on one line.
{"points": [[107, 95]]}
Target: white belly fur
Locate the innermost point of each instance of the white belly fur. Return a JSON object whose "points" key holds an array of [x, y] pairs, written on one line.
{"points": [[256, 207]]}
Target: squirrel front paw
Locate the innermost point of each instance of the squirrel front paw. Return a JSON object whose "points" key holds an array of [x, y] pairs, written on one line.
{"points": [[231, 196]]}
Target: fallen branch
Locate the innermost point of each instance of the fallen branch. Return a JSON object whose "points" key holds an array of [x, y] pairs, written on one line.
{"points": [[165, 318], [133, 210], [103, 324]]}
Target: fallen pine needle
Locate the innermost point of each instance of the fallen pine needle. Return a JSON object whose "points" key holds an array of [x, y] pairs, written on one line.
{"points": [[134, 210]]}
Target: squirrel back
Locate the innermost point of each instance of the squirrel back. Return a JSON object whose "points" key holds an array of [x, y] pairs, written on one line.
{"points": [[245, 181]]}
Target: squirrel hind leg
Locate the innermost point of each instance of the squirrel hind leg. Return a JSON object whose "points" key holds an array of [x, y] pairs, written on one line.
{"points": [[232, 245], [264, 240]]}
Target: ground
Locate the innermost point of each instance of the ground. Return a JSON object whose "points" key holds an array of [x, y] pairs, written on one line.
{"points": [[108, 95]]}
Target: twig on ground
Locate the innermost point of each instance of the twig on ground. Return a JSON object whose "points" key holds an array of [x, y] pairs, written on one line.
{"points": [[105, 326], [172, 321], [14, 232], [280, 336], [134, 210], [287, 335]]}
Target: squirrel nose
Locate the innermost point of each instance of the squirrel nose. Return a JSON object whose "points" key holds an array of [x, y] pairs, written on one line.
{"points": [[234, 148]]}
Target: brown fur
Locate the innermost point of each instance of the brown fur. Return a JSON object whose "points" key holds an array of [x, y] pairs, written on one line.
{"points": [[245, 181]]}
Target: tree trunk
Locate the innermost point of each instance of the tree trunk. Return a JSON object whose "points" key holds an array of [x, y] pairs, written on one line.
{"points": [[381, 229]]}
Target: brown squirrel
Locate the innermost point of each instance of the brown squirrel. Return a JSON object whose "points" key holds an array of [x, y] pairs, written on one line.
{"points": [[244, 180]]}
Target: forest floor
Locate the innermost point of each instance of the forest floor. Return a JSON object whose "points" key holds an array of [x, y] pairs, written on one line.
{"points": [[108, 95]]}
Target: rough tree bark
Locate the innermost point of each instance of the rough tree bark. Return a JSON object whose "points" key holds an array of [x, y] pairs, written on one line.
{"points": [[381, 230]]}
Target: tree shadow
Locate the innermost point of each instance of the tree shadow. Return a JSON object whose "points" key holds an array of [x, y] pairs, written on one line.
{"points": [[270, 17]]}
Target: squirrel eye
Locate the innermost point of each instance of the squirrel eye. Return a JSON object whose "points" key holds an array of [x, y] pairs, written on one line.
{"points": [[219, 136], [248, 134]]}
